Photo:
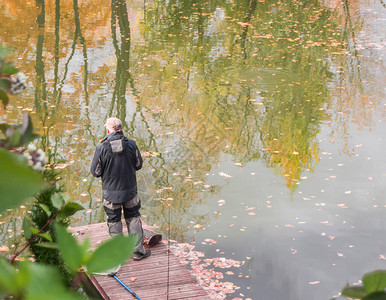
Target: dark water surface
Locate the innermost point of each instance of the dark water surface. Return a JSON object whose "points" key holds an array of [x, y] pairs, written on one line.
{"points": [[262, 124]]}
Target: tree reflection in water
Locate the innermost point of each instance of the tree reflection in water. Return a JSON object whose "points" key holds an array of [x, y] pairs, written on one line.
{"points": [[193, 82]]}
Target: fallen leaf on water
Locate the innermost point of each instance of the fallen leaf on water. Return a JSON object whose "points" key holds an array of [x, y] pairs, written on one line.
{"points": [[289, 225], [60, 166], [225, 175], [210, 241], [4, 249], [250, 208], [203, 270], [314, 282], [221, 202]]}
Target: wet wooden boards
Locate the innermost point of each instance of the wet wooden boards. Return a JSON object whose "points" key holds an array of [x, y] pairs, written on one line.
{"points": [[159, 276]]}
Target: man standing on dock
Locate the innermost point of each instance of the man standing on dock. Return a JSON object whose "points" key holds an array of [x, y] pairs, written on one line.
{"points": [[116, 160]]}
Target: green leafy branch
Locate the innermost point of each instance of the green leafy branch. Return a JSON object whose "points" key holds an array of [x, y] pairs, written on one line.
{"points": [[78, 257], [17, 180], [373, 288], [11, 81], [17, 135], [36, 281], [65, 209], [23, 279]]}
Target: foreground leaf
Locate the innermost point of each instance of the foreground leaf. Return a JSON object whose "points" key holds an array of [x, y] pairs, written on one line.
{"points": [[7, 277], [4, 52], [27, 130], [48, 245], [46, 236], [45, 208], [27, 228], [57, 200], [111, 254], [5, 84], [9, 68], [374, 281], [85, 248], [68, 210], [354, 291], [4, 97], [14, 175], [376, 296], [70, 250], [45, 283]]}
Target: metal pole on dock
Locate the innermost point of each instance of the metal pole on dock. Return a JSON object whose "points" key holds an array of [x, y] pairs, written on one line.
{"points": [[126, 287]]}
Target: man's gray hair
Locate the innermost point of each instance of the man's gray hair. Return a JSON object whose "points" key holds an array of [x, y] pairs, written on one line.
{"points": [[113, 124]]}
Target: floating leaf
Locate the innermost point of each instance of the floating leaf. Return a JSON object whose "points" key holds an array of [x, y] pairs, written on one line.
{"points": [[4, 249]]}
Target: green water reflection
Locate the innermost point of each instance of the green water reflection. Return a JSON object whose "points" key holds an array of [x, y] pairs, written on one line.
{"points": [[196, 83]]}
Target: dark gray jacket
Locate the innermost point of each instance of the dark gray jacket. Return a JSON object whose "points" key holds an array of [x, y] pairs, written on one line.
{"points": [[116, 160]]}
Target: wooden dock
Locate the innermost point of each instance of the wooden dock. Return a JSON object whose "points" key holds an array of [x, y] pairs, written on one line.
{"points": [[157, 277]]}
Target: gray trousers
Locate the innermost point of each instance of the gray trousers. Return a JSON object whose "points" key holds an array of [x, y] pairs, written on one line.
{"points": [[132, 218]]}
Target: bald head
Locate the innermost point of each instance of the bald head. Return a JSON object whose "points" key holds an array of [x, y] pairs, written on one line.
{"points": [[113, 125]]}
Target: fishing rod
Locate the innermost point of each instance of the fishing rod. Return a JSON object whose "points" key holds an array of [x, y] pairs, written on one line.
{"points": [[168, 252], [126, 287]]}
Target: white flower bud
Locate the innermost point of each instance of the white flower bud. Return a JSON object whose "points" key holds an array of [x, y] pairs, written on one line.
{"points": [[27, 155], [31, 147]]}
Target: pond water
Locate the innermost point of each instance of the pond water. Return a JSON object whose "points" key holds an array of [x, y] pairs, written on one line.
{"points": [[261, 123]]}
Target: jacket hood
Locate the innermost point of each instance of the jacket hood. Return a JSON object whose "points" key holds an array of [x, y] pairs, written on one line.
{"points": [[113, 136]]}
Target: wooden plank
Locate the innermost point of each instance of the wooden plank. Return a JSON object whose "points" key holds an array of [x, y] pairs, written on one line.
{"points": [[161, 276]]}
